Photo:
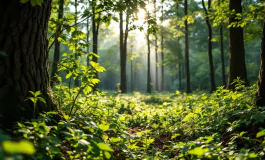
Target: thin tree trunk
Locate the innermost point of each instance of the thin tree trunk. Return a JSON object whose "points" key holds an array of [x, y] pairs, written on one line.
{"points": [[210, 54], [123, 53], [187, 65], [156, 51], [222, 55], [237, 50], [57, 44], [95, 28], [23, 38], [149, 84], [131, 75], [76, 54], [88, 36], [260, 99], [162, 49]]}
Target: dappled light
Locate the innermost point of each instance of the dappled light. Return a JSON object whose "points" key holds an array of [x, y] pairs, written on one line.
{"points": [[131, 80]]}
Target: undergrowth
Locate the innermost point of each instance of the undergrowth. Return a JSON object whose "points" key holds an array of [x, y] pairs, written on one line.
{"points": [[222, 125]]}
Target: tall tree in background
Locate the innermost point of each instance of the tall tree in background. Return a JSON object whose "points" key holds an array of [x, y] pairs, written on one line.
{"points": [[57, 43], [162, 47], [187, 65], [123, 48], [222, 50], [23, 59], [156, 48], [260, 99], [236, 46], [95, 29], [76, 41], [210, 36], [149, 83], [88, 33]]}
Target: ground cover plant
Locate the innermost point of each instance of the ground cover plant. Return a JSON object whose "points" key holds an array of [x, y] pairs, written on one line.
{"points": [[222, 125]]}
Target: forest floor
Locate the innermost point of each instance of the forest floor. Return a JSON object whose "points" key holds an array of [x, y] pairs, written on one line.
{"points": [[221, 125]]}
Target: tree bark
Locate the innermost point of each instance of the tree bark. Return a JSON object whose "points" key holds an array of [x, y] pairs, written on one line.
{"points": [[23, 38], [210, 36], [57, 44], [187, 65], [236, 46], [260, 99]]}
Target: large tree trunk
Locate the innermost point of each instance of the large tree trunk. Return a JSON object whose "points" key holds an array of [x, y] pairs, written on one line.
{"points": [[56, 56], [210, 36], [187, 65], [23, 38], [237, 51], [260, 99]]}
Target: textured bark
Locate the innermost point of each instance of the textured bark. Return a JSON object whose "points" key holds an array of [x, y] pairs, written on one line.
{"points": [[236, 46], [260, 99], [210, 36], [23, 37], [162, 49], [187, 65], [95, 28], [57, 44]]}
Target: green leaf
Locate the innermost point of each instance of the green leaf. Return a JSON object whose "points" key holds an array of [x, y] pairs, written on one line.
{"points": [[107, 155], [22, 147], [198, 151], [103, 127], [261, 133], [104, 147]]}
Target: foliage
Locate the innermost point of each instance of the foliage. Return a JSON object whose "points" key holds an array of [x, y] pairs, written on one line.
{"points": [[223, 125]]}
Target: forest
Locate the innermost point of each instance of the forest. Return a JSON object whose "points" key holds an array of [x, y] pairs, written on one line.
{"points": [[132, 79]]}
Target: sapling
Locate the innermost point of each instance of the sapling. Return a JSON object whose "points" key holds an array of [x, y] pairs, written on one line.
{"points": [[35, 98]]}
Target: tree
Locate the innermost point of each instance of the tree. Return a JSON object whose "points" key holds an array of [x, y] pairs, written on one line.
{"points": [[76, 41], [210, 36], [162, 48], [57, 43], [156, 48], [95, 29], [23, 60], [123, 49], [236, 46], [222, 51], [187, 66], [149, 83], [260, 99]]}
